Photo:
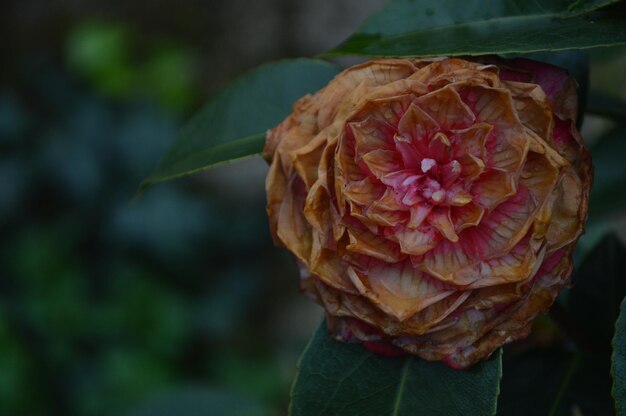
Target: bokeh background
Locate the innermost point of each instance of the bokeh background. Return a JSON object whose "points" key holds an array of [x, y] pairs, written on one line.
{"points": [[176, 300]]}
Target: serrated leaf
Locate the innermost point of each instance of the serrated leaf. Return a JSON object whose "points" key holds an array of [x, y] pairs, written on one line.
{"points": [[475, 27], [618, 367], [340, 379], [233, 124]]}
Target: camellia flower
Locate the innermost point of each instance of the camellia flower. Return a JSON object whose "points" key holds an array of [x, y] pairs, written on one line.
{"points": [[433, 205]]}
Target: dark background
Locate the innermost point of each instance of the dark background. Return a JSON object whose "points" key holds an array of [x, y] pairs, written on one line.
{"points": [[109, 306]]}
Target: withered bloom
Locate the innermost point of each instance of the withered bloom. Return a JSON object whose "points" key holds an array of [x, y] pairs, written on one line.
{"points": [[433, 205]]}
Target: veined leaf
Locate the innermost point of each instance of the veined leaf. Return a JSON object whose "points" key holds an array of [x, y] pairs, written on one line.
{"points": [[475, 27], [233, 124], [340, 379]]}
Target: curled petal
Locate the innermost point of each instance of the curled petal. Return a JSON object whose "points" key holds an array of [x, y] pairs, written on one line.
{"points": [[446, 108], [440, 219], [364, 242], [417, 241], [433, 204], [398, 289], [493, 188], [417, 124], [381, 162]]}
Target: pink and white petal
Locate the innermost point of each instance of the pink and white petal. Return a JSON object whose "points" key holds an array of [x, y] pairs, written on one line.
{"points": [[419, 212], [397, 179], [450, 172], [412, 197], [456, 196], [446, 108]]}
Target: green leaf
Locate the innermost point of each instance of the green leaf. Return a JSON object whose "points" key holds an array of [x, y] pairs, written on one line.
{"points": [[475, 27], [233, 124], [618, 367], [339, 379]]}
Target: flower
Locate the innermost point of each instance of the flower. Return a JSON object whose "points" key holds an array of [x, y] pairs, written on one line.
{"points": [[433, 205]]}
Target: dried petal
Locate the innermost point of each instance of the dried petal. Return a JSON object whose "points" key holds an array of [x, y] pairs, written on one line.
{"points": [[433, 205]]}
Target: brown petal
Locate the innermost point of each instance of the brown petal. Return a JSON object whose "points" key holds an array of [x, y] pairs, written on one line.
{"points": [[466, 216], [471, 140], [381, 162], [417, 241], [364, 192], [369, 244], [398, 289], [440, 219], [446, 108], [417, 124], [493, 187]]}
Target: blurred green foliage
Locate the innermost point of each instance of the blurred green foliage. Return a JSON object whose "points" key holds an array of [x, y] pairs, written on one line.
{"points": [[120, 64], [107, 306]]}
